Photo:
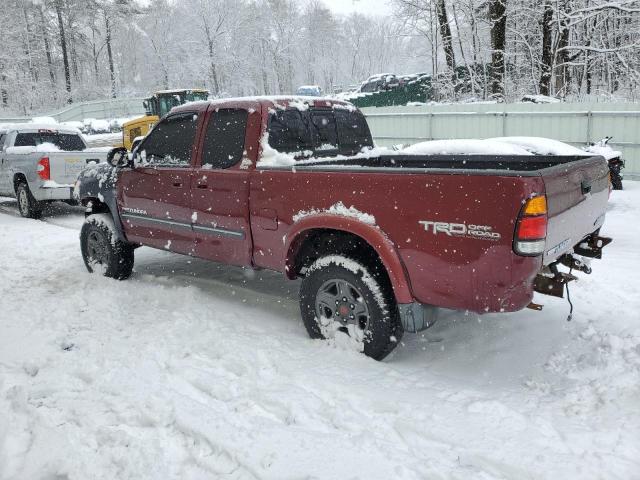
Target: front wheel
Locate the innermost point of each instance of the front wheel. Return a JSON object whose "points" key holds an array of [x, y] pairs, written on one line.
{"points": [[28, 206], [102, 251], [339, 297]]}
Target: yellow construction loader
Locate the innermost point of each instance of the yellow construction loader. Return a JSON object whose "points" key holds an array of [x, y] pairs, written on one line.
{"points": [[157, 106]]}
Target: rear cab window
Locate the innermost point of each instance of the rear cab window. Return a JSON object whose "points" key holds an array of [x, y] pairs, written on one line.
{"points": [[67, 142], [319, 132]]}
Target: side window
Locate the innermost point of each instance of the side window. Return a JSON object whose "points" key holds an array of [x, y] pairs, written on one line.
{"points": [[324, 130], [353, 131], [171, 141], [224, 140], [25, 140], [289, 131]]}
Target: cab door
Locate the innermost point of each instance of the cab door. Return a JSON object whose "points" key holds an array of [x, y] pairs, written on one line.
{"points": [[155, 196], [220, 188]]}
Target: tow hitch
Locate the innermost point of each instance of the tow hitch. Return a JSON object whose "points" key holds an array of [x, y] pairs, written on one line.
{"points": [[591, 247], [553, 282]]}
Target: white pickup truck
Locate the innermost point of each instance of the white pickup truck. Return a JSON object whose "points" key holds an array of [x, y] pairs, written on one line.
{"points": [[41, 163]]}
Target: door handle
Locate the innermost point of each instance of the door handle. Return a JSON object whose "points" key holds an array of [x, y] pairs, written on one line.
{"points": [[202, 186]]}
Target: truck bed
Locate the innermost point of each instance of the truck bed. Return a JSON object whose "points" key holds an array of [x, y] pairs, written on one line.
{"points": [[401, 191], [479, 164]]}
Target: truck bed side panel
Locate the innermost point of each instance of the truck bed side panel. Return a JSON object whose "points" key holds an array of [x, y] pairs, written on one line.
{"points": [[454, 269]]}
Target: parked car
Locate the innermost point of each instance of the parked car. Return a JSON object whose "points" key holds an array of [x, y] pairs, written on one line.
{"points": [[273, 184], [73, 124], [44, 120], [380, 82], [613, 157], [99, 126], [86, 128], [40, 163], [309, 91], [545, 146]]}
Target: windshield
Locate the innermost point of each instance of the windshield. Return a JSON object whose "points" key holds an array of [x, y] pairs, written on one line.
{"points": [[67, 142]]}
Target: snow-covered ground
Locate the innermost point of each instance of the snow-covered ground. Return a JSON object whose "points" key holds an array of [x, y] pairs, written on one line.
{"points": [[191, 370]]}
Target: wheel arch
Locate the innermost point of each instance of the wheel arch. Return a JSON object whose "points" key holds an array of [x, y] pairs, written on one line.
{"points": [[19, 178], [103, 205], [301, 248]]}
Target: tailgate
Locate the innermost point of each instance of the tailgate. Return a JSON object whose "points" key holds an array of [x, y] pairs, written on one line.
{"points": [[577, 196], [66, 166]]}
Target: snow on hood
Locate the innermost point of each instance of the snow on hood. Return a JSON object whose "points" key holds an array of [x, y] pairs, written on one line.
{"points": [[464, 147], [541, 146]]}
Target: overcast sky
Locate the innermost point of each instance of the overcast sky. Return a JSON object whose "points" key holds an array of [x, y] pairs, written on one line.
{"points": [[375, 7]]}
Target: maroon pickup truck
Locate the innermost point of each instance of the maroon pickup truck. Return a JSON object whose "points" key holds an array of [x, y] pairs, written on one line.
{"points": [[381, 239]]}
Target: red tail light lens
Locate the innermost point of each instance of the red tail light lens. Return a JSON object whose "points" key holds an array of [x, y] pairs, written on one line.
{"points": [[531, 227], [44, 169]]}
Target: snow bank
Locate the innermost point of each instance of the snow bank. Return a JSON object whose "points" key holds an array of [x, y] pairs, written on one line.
{"points": [[464, 147], [191, 370]]}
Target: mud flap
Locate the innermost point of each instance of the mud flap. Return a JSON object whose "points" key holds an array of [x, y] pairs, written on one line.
{"points": [[416, 317], [553, 285]]}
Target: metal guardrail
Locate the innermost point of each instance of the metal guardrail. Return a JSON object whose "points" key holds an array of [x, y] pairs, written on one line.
{"points": [[101, 109], [578, 128]]}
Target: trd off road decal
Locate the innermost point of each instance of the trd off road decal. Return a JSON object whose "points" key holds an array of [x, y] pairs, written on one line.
{"points": [[483, 232]]}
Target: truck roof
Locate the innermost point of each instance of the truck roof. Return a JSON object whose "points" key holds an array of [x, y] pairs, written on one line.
{"points": [[34, 127], [281, 101]]}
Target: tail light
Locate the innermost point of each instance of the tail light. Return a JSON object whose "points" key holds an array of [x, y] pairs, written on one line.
{"points": [[531, 228], [44, 169]]}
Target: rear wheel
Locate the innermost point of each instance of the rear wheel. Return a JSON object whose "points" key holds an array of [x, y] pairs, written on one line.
{"points": [[102, 251], [340, 299], [28, 206]]}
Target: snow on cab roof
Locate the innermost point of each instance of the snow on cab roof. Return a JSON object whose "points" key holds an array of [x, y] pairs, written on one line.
{"points": [[299, 101], [277, 99], [34, 127]]}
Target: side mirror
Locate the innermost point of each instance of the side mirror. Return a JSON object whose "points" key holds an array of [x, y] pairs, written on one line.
{"points": [[118, 157]]}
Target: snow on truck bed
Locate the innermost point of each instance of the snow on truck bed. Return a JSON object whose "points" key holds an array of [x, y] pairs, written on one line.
{"points": [[191, 370]]}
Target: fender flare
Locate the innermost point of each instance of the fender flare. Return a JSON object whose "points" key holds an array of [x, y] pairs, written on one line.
{"points": [[99, 185], [112, 205], [371, 234]]}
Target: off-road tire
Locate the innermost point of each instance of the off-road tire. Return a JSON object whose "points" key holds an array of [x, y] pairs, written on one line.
{"points": [[28, 206], [102, 251], [384, 330]]}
